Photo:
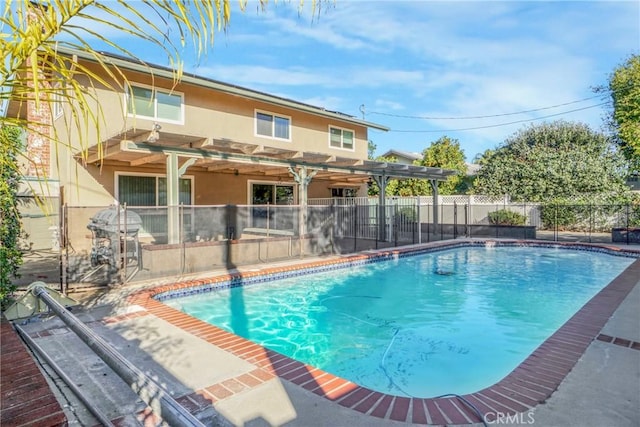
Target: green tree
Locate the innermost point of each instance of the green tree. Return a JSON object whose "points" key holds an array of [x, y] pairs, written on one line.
{"points": [[483, 158], [446, 153], [10, 224], [624, 119], [553, 161], [412, 187], [371, 149]]}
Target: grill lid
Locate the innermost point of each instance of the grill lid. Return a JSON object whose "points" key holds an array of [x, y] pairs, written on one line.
{"points": [[107, 220]]}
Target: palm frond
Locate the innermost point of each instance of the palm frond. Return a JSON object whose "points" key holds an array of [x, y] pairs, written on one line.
{"points": [[32, 71]]}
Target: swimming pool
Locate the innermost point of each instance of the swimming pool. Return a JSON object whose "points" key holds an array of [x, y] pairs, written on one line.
{"points": [[451, 321]]}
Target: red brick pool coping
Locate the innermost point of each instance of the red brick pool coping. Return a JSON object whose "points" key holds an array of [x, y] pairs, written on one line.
{"points": [[529, 384]]}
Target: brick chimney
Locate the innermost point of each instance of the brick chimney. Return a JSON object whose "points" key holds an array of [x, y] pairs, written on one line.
{"points": [[39, 117]]}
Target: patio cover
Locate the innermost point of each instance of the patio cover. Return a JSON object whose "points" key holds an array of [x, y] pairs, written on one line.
{"points": [[143, 147], [178, 152]]}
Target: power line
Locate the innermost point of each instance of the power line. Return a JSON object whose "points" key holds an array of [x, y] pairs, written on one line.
{"points": [[486, 116], [601, 95], [500, 124]]}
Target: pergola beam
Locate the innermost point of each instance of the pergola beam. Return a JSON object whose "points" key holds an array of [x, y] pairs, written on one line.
{"points": [[105, 152], [275, 172], [288, 155], [212, 167], [147, 159]]}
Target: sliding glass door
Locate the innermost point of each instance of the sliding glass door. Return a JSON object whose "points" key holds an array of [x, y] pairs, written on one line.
{"points": [[272, 217]]}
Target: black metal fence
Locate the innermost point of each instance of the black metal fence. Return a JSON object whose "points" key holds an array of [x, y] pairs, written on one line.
{"points": [[170, 242]]}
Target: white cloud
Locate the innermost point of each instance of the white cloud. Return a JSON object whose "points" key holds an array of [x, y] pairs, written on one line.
{"points": [[311, 77], [462, 58], [257, 75], [388, 105]]}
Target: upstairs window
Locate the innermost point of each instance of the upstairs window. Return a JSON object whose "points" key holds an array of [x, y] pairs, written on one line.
{"points": [[340, 138], [273, 126], [155, 104]]}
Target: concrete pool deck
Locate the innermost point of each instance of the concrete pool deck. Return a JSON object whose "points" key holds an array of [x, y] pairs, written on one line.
{"points": [[596, 375]]}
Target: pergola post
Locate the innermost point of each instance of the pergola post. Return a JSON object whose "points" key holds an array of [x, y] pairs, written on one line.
{"points": [[173, 195], [382, 181], [302, 177]]}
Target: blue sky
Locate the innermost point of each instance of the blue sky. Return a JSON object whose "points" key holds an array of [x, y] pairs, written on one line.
{"points": [[423, 68]]}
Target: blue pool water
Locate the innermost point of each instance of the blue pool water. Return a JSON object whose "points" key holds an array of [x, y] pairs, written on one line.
{"points": [[453, 321]]}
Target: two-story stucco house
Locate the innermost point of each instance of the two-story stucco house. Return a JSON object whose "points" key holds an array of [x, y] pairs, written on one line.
{"points": [[244, 141], [196, 142]]}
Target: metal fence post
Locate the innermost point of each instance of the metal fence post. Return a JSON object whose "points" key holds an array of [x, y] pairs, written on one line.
{"points": [[428, 226], [467, 229], [377, 210], [125, 246], [591, 220], [269, 220], [440, 222], [118, 245], [396, 224], [419, 222], [627, 223], [64, 253], [555, 223], [229, 236], [455, 219], [414, 224], [332, 225], [355, 228], [182, 237]]}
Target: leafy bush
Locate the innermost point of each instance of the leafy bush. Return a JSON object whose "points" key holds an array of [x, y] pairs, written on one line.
{"points": [[560, 217], [10, 225], [554, 160], [507, 217], [592, 213], [634, 215]]}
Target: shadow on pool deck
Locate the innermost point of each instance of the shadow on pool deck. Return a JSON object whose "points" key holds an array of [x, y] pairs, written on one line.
{"points": [[603, 387]]}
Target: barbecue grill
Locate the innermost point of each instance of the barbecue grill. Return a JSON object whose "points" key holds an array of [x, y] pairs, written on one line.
{"points": [[115, 233]]}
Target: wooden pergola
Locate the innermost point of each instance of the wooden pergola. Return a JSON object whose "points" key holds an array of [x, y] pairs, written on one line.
{"points": [[177, 152]]}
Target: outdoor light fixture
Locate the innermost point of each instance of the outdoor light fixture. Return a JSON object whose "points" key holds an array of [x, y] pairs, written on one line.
{"points": [[154, 135]]}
